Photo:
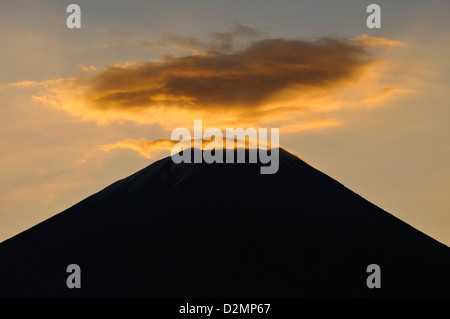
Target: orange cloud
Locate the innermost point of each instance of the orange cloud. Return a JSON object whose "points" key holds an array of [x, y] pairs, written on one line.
{"points": [[246, 79], [30, 84], [152, 149], [86, 68], [147, 149], [368, 40], [282, 83]]}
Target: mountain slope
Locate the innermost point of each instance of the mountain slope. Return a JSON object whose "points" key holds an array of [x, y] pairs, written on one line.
{"points": [[224, 230]]}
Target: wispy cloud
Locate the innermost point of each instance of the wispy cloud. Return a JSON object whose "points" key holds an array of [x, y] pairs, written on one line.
{"points": [[368, 40], [223, 42], [31, 84], [153, 149], [146, 148]]}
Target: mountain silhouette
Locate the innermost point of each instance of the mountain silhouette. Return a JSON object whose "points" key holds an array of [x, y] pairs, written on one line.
{"points": [[224, 231]]}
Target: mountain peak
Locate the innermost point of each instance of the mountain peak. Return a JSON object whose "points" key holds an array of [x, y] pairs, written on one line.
{"points": [[193, 230]]}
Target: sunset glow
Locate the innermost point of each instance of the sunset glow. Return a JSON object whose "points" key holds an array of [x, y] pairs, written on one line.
{"points": [[82, 108]]}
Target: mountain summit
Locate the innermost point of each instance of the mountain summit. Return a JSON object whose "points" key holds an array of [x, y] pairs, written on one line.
{"points": [[224, 230]]}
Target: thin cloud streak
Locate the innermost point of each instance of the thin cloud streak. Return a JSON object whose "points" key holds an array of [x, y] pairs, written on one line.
{"points": [[152, 149]]}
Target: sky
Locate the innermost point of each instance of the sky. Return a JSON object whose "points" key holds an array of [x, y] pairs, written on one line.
{"points": [[82, 108]]}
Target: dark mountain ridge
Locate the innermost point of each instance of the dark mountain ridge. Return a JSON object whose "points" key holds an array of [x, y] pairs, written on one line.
{"points": [[224, 230]]}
